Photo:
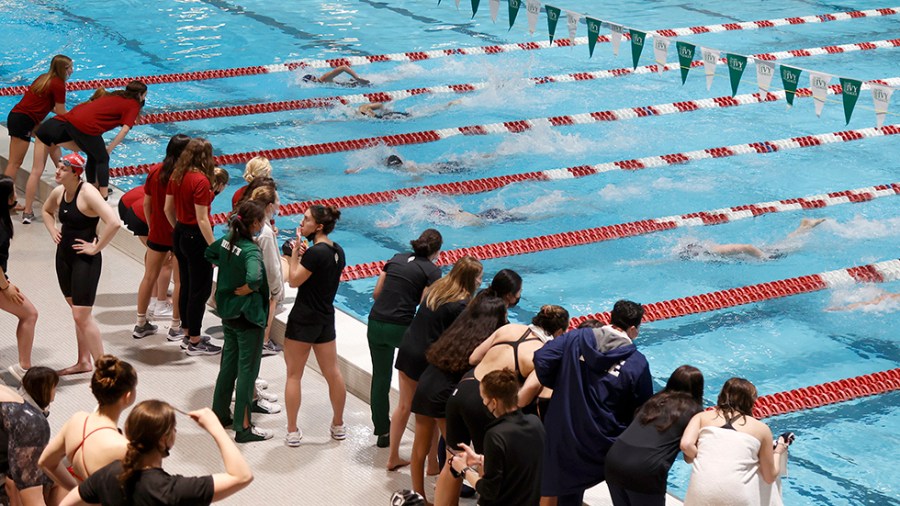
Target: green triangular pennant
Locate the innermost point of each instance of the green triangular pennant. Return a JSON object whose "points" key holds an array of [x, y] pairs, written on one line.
{"points": [[593, 32], [685, 57], [474, 7], [552, 18], [790, 77], [850, 92], [736, 66], [637, 44], [513, 11]]}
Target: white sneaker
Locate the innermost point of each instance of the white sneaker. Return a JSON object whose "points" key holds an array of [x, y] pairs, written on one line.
{"points": [[151, 309], [263, 406], [269, 396], [163, 310], [261, 384], [338, 432], [253, 434], [292, 439], [17, 371]]}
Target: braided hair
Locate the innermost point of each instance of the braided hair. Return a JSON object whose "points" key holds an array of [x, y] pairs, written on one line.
{"points": [[148, 423]]}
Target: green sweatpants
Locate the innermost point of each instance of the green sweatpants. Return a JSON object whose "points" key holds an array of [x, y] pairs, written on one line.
{"points": [[384, 338], [241, 355]]}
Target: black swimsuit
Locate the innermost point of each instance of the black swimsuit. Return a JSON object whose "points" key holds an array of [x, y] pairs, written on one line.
{"points": [[515, 346], [78, 274]]}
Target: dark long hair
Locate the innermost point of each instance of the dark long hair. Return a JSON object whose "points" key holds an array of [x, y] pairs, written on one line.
{"points": [[132, 91], [258, 182], [173, 151], [682, 397], [484, 315], [196, 155], [147, 424], [246, 215], [736, 398], [7, 187], [506, 282]]}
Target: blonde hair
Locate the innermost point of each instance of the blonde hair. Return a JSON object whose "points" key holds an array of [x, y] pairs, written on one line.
{"points": [[58, 67], [460, 284], [256, 167]]}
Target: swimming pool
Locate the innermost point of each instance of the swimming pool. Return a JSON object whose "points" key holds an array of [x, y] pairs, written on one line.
{"points": [[779, 345]]}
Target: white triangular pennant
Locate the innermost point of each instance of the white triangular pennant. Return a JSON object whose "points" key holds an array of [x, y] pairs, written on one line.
{"points": [[882, 96], [495, 8], [615, 36], [710, 60], [819, 84], [660, 50], [572, 19], [764, 72], [533, 7]]}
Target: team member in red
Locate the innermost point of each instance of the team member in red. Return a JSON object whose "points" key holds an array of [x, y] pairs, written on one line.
{"points": [[84, 126], [159, 242], [188, 197], [47, 93]]}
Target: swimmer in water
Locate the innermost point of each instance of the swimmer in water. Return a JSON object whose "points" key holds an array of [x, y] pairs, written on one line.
{"points": [[695, 249], [394, 162], [377, 110], [880, 299], [466, 219], [328, 77]]}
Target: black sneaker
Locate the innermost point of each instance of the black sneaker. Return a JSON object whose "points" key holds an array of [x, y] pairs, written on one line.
{"points": [[202, 348], [252, 435], [142, 331], [185, 341]]}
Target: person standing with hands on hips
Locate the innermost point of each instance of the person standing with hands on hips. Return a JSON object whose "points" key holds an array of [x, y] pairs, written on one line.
{"points": [[316, 272]]}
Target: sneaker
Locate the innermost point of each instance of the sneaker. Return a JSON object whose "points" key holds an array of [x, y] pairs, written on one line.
{"points": [[185, 341], [27, 218], [338, 432], [261, 384], [142, 331], [163, 310], [384, 441], [271, 348], [292, 439], [252, 434], [263, 406], [17, 371], [203, 348], [175, 334], [269, 396]]}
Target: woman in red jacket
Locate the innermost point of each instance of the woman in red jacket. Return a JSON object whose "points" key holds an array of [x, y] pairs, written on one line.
{"points": [[47, 93], [82, 129]]}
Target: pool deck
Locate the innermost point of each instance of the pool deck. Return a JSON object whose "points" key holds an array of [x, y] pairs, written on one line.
{"points": [[323, 471]]}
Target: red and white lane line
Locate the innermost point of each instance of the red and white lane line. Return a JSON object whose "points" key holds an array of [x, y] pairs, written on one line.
{"points": [[823, 394], [386, 96], [880, 272], [413, 56], [518, 126], [473, 186], [641, 227]]}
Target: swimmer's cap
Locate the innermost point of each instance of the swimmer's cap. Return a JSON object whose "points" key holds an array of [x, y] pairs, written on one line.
{"points": [[407, 498], [76, 161], [309, 78], [393, 161]]}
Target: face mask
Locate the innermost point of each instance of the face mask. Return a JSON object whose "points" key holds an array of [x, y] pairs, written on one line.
{"points": [[257, 233], [515, 302], [311, 237]]}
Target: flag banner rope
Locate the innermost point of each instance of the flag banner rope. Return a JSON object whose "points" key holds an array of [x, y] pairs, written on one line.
{"points": [[492, 183], [387, 96], [641, 227], [412, 56]]}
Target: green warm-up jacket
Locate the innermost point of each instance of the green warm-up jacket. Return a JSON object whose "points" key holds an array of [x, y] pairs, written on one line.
{"points": [[239, 264]]}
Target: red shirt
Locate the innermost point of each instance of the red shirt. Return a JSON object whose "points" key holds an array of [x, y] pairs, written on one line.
{"points": [[238, 194], [160, 230], [134, 199], [102, 115], [193, 190], [38, 106]]}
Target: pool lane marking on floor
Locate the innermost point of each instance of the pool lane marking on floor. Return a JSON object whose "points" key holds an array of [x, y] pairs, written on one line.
{"points": [[516, 126], [823, 394], [487, 184], [888, 270], [413, 56], [641, 227], [387, 96]]}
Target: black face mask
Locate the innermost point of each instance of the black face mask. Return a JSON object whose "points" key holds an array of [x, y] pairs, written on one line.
{"points": [[515, 302]]}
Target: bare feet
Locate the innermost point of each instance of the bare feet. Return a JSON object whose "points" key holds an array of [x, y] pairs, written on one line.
{"points": [[78, 368], [395, 465]]}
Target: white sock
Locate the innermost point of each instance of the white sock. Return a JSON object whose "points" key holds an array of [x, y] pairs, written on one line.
{"points": [[141, 319]]}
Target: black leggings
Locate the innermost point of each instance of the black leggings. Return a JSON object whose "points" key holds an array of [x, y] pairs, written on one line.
{"points": [[196, 276], [54, 131]]}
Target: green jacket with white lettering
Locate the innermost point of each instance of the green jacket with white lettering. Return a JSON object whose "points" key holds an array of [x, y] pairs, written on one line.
{"points": [[239, 264]]}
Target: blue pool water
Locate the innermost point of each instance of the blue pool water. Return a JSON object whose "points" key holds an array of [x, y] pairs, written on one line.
{"points": [[846, 453]]}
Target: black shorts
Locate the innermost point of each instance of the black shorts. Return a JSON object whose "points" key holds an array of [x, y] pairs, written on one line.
{"points": [[467, 417], [311, 333], [158, 247], [53, 131], [20, 126], [434, 389], [78, 275], [132, 222]]}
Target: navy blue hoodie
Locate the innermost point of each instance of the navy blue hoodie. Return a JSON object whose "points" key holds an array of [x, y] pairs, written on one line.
{"points": [[599, 379]]}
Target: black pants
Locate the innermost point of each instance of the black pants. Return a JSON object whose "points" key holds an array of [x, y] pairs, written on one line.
{"points": [[196, 276], [97, 166]]}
